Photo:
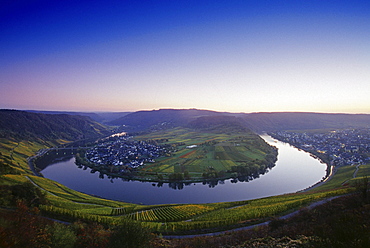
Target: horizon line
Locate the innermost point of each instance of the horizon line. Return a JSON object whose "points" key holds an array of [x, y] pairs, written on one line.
{"points": [[201, 109]]}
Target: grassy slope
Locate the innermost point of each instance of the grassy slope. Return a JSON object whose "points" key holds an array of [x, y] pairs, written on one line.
{"points": [[344, 177]]}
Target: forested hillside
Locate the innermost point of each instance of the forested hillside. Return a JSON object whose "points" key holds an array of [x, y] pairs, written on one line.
{"points": [[258, 122], [21, 125], [101, 117], [217, 121], [142, 120], [304, 121]]}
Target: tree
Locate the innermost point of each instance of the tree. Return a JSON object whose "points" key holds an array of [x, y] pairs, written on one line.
{"points": [[26, 192], [186, 175], [62, 236], [362, 187], [24, 228], [176, 176], [91, 235], [160, 177], [130, 234]]}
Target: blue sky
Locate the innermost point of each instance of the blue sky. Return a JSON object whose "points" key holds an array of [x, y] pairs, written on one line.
{"points": [[236, 56]]}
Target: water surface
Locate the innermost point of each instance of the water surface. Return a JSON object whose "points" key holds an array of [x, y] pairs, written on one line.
{"points": [[295, 170]]}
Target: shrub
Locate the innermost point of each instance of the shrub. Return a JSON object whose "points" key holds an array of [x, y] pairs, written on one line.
{"points": [[62, 236], [130, 234]]}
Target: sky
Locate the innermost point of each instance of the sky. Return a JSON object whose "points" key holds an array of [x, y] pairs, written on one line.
{"points": [[234, 56]]}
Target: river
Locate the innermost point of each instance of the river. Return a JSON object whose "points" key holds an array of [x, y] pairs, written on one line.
{"points": [[295, 170]]}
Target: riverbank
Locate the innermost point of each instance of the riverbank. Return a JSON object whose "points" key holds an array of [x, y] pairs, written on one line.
{"points": [[330, 169], [32, 161], [318, 184]]}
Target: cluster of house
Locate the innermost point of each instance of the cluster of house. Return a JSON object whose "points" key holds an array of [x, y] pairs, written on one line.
{"points": [[125, 151], [343, 147]]}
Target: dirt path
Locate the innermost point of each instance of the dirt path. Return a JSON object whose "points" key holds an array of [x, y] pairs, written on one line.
{"points": [[355, 173]]}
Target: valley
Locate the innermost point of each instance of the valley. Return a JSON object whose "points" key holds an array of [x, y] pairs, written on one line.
{"points": [[222, 145]]}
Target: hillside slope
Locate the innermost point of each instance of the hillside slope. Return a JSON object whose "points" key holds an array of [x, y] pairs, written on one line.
{"points": [[101, 117], [219, 123], [304, 121], [21, 125], [258, 122], [142, 120]]}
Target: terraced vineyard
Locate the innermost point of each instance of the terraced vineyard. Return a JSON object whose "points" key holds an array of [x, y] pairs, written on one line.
{"points": [[170, 213], [69, 205]]}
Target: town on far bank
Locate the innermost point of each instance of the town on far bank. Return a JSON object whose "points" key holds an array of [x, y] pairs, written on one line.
{"points": [[336, 147], [123, 151]]}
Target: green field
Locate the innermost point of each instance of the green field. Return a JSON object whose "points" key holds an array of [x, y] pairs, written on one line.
{"points": [[217, 151]]}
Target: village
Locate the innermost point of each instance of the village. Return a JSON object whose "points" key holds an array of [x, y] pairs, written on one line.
{"points": [[341, 147], [125, 152]]}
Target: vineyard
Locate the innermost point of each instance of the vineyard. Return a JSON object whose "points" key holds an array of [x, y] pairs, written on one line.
{"points": [[69, 205], [171, 213]]}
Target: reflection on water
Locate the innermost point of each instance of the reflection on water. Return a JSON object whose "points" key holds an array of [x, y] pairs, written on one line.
{"points": [[295, 170], [173, 185], [53, 156], [211, 183]]}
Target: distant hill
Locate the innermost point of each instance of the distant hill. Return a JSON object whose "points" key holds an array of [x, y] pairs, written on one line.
{"points": [[196, 118], [221, 123], [304, 121], [143, 120], [25, 125], [257, 122], [101, 117]]}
